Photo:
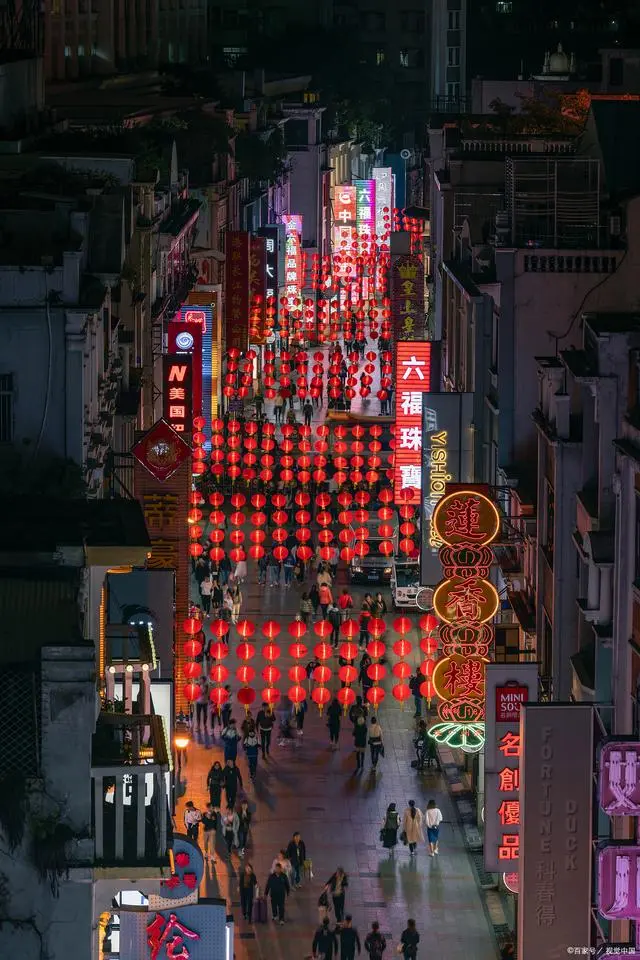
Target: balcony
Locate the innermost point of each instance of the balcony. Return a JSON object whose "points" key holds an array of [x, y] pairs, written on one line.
{"points": [[129, 771]]}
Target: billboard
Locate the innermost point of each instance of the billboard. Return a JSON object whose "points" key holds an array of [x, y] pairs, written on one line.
{"points": [[447, 457], [507, 688], [177, 397], [556, 793], [344, 224], [407, 297], [237, 291], [383, 177], [413, 379]]}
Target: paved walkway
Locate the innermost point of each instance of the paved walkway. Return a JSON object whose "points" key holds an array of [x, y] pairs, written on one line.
{"points": [[308, 786]]}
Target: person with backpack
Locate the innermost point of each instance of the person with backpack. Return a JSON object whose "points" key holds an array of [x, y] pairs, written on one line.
{"points": [[374, 943], [389, 830], [265, 722], [297, 854], [409, 941], [335, 619], [250, 744], [360, 742], [325, 941]]}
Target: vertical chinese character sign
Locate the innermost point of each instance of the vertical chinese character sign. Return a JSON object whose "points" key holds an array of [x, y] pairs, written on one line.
{"points": [[413, 379], [407, 297], [186, 334], [619, 863], [383, 177], [465, 602], [365, 207], [344, 223], [257, 289], [237, 292], [293, 278], [177, 397], [508, 687]]}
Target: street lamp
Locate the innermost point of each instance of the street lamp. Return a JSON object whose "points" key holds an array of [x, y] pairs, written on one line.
{"points": [[181, 740]]}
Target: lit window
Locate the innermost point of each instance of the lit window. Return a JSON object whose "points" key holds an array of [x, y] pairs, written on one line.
{"points": [[404, 58], [67, 51], [504, 6], [81, 51], [380, 57], [232, 54]]}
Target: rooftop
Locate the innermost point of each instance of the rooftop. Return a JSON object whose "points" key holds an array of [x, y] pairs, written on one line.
{"points": [[38, 607], [46, 524]]}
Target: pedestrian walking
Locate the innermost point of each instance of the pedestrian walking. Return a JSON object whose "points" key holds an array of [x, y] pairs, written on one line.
{"points": [[389, 831], [240, 572], [285, 863], [232, 781], [230, 738], [278, 405], [236, 602], [244, 825], [250, 744], [277, 889], [308, 412], [358, 709], [414, 686], [337, 885], [230, 824], [265, 722], [433, 819], [263, 563], [210, 827], [345, 603], [325, 941], [360, 742], [248, 884], [300, 714], [217, 598], [409, 940], [192, 820], [297, 854], [206, 588], [376, 744], [288, 565], [374, 943], [273, 571], [349, 939], [378, 606], [202, 704], [306, 608], [334, 719], [335, 619], [314, 597], [326, 597], [412, 827]]}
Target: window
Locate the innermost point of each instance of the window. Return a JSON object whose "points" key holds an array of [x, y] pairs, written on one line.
{"points": [[454, 19], [81, 51], [413, 58], [453, 91], [6, 407], [504, 6], [453, 56], [411, 21], [233, 54], [67, 52], [636, 575], [380, 56], [404, 58]]}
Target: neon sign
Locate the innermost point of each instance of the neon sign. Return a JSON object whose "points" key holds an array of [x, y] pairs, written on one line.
{"points": [[365, 206], [413, 379], [466, 522], [178, 394], [169, 933]]}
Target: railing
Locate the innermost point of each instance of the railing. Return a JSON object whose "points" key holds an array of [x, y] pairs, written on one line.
{"points": [[561, 263], [131, 760], [508, 145]]}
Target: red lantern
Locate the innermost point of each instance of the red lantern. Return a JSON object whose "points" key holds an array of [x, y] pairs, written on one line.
{"points": [[401, 692], [402, 648], [245, 674], [350, 629], [246, 628], [297, 673], [376, 672], [245, 651], [271, 651], [297, 694], [346, 696], [428, 623], [348, 651], [427, 690], [376, 627], [219, 673], [320, 696], [402, 625], [323, 629], [191, 691], [191, 625], [271, 629], [322, 674], [376, 649], [322, 651], [246, 696], [348, 673], [219, 650], [191, 670], [270, 695], [429, 645], [219, 628], [271, 674], [401, 670], [192, 648], [375, 695]]}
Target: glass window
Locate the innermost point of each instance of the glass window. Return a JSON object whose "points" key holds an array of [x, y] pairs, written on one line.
{"points": [[453, 56], [404, 58], [454, 19], [380, 56]]}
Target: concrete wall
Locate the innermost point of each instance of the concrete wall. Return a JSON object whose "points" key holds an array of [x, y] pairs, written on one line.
{"points": [[305, 196]]}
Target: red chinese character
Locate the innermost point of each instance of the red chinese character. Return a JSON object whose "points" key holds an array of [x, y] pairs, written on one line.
{"points": [[158, 933], [465, 679], [463, 520], [465, 601], [509, 746], [509, 813], [509, 849], [508, 780]]}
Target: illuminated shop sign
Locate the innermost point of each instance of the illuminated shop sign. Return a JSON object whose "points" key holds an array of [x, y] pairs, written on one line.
{"points": [[177, 393], [413, 380], [365, 206], [293, 278], [407, 297], [383, 177], [237, 290]]}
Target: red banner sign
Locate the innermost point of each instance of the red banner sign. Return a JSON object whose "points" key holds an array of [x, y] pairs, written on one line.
{"points": [[237, 292], [184, 336], [407, 298], [413, 379]]}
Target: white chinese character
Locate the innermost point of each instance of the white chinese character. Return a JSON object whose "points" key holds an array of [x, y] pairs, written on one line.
{"points": [[413, 365], [411, 476], [291, 277], [410, 438], [270, 271], [345, 216], [365, 213], [271, 292], [271, 246], [411, 403]]}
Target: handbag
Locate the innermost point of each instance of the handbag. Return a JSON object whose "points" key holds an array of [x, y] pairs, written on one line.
{"points": [[323, 900], [382, 749], [403, 837], [382, 834]]}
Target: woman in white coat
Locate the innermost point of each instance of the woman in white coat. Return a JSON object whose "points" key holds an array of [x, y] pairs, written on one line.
{"points": [[412, 826]]}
